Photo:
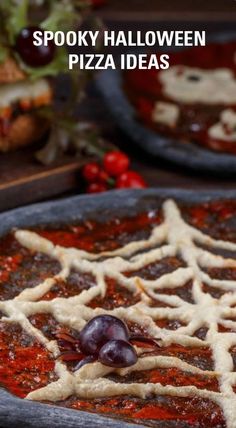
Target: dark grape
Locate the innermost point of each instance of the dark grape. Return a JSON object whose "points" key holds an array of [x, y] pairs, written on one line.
{"points": [[100, 330], [117, 353], [34, 56]]}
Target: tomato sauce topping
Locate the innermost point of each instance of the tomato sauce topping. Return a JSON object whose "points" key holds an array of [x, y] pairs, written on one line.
{"points": [[26, 365]]}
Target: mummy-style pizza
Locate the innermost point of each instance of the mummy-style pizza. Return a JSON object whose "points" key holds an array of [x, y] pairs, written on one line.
{"points": [[171, 238], [189, 99]]}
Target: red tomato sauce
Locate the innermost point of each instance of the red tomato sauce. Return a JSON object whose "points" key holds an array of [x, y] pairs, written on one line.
{"points": [[25, 365]]}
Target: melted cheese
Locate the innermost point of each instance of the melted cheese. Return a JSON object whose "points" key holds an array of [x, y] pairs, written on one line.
{"points": [[13, 92], [194, 85], [225, 129], [165, 113], [173, 237]]}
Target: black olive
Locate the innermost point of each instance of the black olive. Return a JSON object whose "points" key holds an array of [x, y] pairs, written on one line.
{"points": [[194, 78]]}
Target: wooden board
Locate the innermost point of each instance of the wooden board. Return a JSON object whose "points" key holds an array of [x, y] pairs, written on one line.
{"points": [[23, 180]]}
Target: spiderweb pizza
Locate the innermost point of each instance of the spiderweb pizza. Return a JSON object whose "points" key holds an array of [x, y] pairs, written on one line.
{"points": [[169, 274]]}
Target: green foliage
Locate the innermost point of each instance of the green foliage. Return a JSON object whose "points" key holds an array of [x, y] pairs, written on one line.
{"points": [[15, 15], [63, 16]]}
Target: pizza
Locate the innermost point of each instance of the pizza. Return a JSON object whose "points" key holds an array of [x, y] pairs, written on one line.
{"points": [[158, 284], [194, 100]]}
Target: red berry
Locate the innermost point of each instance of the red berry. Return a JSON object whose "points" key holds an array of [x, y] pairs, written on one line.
{"points": [[103, 177], [34, 56], [96, 188], [115, 163], [91, 172], [130, 179]]}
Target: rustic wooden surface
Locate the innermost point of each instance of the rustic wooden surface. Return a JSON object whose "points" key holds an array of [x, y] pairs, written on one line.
{"points": [[184, 10], [22, 180]]}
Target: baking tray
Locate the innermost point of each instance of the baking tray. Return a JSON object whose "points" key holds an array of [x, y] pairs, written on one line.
{"points": [[20, 413]]}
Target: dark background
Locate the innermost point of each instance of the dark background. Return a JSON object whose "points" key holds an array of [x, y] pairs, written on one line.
{"points": [[172, 9]]}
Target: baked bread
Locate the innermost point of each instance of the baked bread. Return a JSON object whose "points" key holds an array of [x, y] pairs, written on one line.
{"points": [[24, 130], [10, 72], [20, 99]]}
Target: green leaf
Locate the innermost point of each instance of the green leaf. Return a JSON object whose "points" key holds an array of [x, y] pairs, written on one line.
{"points": [[63, 16], [16, 17]]}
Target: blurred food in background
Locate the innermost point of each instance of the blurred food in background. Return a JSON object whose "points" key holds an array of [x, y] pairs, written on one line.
{"points": [[28, 73], [20, 98], [28, 110], [194, 100]]}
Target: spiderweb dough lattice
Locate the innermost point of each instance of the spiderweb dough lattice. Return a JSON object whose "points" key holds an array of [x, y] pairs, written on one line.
{"points": [[173, 237]]}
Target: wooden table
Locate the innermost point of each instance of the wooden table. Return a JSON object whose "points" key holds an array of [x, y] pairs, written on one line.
{"points": [[23, 180]]}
